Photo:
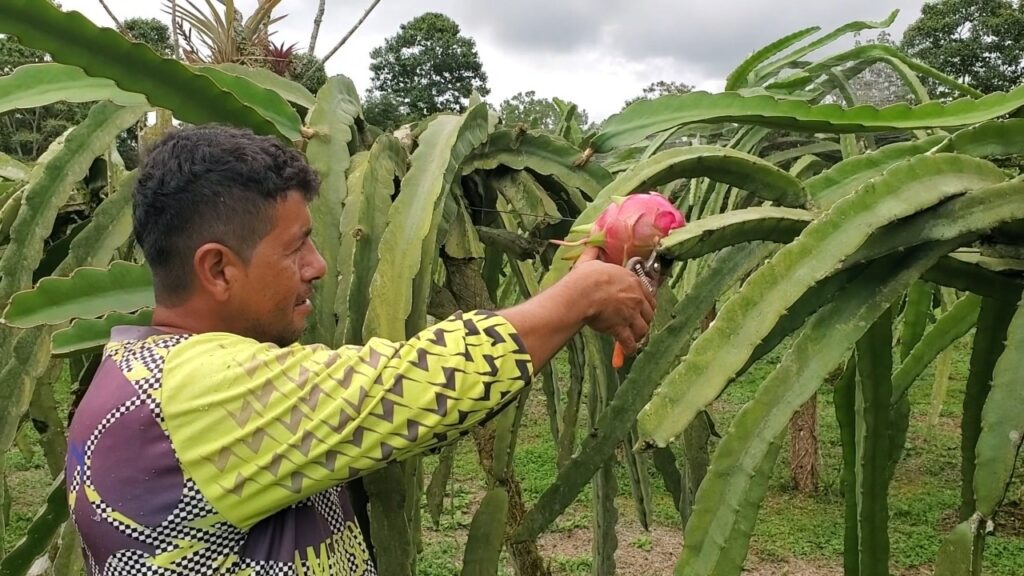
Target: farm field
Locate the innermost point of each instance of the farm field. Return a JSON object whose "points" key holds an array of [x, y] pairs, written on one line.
{"points": [[774, 318], [796, 534]]}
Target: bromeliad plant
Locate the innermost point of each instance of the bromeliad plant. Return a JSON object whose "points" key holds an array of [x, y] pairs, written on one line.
{"points": [[802, 230]]}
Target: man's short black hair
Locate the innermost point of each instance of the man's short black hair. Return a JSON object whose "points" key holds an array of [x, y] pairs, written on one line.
{"points": [[210, 184]]}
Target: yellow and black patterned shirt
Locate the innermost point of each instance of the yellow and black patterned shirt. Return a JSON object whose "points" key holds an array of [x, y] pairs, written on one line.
{"points": [[216, 454]]}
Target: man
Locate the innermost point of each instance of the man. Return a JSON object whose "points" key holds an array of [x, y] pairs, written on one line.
{"points": [[213, 443]]}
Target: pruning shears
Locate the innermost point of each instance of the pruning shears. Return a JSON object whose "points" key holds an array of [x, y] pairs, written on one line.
{"points": [[650, 272]]}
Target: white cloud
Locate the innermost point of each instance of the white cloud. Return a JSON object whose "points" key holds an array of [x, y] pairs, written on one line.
{"points": [[597, 53]]}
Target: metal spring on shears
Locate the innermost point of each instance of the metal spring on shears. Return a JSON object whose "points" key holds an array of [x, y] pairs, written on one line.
{"points": [[638, 269]]}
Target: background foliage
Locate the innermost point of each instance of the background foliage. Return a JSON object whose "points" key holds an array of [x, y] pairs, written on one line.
{"points": [[864, 262], [425, 68]]}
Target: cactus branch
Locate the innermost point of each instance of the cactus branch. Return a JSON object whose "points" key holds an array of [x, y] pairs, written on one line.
{"points": [[513, 245], [468, 287]]}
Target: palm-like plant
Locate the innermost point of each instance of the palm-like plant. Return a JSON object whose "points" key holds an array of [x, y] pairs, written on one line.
{"points": [[224, 37]]}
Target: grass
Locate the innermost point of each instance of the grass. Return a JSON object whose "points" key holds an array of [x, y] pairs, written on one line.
{"points": [[27, 476], [793, 530], [924, 496]]}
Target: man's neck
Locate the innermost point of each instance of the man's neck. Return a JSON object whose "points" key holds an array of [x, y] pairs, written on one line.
{"points": [[191, 317]]}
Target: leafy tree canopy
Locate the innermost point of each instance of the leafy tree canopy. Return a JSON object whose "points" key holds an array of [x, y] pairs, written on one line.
{"points": [[13, 55], [426, 68], [661, 88], [383, 111], [979, 42], [152, 32], [25, 134], [537, 113]]}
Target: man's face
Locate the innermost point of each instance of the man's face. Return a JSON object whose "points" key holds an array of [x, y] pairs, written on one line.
{"points": [[274, 299]]}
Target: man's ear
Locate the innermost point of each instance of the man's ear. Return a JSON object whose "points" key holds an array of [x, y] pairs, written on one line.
{"points": [[218, 270]]}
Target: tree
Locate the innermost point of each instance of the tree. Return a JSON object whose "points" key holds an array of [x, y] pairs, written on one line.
{"points": [[157, 36], [526, 108], [26, 133], [383, 111], [13, 55], [426, 68], [152, 32], [979, 42], [880, 85], [661, 88], [537, 113]]}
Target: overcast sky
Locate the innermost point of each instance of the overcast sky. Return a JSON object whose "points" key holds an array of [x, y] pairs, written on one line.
{"points": [[597, 53]]}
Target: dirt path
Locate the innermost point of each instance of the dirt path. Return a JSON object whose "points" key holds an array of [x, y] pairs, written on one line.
{"points": [[639, 553], [655, 553]]}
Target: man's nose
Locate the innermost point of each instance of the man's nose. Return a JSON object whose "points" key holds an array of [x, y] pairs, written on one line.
{"points": [[317, 267]]}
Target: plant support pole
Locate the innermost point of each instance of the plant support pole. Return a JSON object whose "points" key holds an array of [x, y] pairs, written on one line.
{"points": [[317, 20], [120, 27], [352, 31]]}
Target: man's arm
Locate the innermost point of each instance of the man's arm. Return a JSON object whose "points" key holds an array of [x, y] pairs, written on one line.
{"points": [[605, 297], [260, 428]]}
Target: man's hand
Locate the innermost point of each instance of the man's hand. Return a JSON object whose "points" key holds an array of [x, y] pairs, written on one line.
{"points": [[625, 308], [608, 298]]}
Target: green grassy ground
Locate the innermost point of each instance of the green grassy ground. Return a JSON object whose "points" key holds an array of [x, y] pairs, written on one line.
{"points": [[796, 534], [924, 496], [799, 534], [27, 476]]}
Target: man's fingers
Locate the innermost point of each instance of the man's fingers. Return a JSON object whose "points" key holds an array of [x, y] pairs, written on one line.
{"points": [[627, 341], [647, 312], [590, 254], [651, 300], [639, 329]]}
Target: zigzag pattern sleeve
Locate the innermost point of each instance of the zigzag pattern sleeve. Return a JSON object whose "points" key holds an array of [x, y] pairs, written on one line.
{"points": [[260, 428]]}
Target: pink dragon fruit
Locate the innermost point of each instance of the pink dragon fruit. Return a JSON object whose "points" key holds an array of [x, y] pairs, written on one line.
{"points": [[632, 226]]}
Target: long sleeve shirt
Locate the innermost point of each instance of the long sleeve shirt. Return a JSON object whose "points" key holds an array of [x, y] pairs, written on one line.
{"points": [[216, 454]]}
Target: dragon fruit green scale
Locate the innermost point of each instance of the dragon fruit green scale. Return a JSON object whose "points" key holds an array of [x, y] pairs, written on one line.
{"points": [[632, 226]]}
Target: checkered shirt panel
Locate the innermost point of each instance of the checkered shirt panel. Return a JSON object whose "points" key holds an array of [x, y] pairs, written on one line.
{"points": [[194, 539]]}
